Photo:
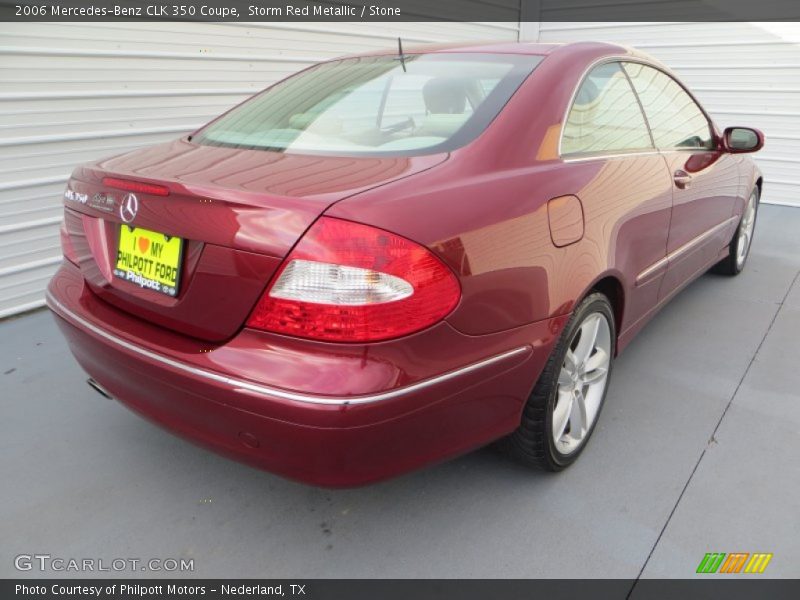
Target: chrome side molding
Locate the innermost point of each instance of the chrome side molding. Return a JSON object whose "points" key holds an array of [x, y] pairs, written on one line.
{"points": [[267, 391], [645, 275]]}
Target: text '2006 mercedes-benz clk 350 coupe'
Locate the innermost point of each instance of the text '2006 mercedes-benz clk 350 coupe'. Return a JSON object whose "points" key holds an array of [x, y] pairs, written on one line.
{"points": [[391, 259]]}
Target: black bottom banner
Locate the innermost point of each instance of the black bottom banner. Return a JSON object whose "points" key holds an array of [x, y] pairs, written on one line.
{"points": [[403, 589]]}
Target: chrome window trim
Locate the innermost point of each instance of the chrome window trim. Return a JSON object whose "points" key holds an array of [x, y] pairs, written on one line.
{"points": [[655, 149], [587, 157], [241, 385], [709, 121], [596, 63], [642, 277]]}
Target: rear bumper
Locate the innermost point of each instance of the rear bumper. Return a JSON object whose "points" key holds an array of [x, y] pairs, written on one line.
{"points": [[329, 437]]}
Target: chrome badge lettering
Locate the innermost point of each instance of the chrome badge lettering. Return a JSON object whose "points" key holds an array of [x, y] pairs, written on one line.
{"points": [[102, 201], [73, 196]]}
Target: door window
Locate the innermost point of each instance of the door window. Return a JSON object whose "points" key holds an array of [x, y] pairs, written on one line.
{"points": [[674, 117]]}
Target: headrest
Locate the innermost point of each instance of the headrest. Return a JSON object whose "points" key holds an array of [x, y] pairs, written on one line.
{"points": [[445, 95]]}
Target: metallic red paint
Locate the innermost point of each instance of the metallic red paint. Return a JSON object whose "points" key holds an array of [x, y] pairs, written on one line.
{"points": [[320, 439], [346, 414]]}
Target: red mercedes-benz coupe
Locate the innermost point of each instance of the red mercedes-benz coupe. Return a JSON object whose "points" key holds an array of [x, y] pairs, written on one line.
{"points": [[392, 259]]}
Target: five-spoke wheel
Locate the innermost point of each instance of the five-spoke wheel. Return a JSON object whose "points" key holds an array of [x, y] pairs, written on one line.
{"points": [[581, 383], [746, 228], [739, 248], [562, 410]]}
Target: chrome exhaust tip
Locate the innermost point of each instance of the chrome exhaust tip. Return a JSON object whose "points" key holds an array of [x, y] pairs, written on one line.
{"points": [[99, 389]]}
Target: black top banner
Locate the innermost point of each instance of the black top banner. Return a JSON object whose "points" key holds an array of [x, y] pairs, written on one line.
{"points": [[399, 10]]}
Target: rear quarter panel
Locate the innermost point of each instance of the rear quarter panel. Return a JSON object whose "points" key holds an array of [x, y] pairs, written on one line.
{"points": [[484, 211], [493, 231]]}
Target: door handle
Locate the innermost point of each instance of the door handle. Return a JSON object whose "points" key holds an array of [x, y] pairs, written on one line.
{"points": [[681, 178]]}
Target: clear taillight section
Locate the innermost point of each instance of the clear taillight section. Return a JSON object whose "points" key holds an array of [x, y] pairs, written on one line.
{"points": [[348, 282], [326, 283]]}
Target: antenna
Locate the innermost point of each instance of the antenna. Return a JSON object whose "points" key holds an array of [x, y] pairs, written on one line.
{"points": [[400, 53]]}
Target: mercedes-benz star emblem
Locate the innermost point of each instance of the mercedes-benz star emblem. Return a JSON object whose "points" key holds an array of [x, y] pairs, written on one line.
{"points": [[128, 207]]}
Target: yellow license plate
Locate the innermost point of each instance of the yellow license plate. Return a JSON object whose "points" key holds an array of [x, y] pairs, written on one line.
{"points": [[149, 259]]}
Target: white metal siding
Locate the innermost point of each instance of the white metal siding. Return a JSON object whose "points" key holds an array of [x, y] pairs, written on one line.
{"points": [[742, 74], [72, 92]]}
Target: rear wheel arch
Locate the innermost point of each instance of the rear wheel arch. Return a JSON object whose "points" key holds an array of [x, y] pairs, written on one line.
{"points": [[611, 287], [538, 440]]}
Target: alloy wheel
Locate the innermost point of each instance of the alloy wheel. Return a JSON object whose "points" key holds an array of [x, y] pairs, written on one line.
{"points": [[746, 231], [581, 384]]}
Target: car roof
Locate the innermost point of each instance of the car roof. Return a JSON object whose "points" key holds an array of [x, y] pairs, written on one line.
{"points": [[586, 51], [530, 48]]}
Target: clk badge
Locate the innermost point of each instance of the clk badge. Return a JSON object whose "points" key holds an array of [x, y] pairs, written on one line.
{"points": [[128, 207]]}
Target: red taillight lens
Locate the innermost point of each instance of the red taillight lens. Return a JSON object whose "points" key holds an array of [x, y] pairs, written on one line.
{"points": [[347, 282], [136, 186]]}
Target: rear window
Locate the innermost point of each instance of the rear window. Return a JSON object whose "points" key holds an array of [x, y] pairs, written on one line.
{"points": [[373, 106]]}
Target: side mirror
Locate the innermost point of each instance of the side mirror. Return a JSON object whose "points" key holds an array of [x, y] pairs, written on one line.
{"points": [[738, 140]]}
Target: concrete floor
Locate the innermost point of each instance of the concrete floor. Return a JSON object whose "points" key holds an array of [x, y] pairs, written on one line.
{"points": [[697, 450]]}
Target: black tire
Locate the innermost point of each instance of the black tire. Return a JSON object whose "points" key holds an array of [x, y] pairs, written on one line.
{"points": [[532, 443], [729, 265]]}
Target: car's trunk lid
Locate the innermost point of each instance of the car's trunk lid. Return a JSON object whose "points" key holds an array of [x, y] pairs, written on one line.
{"points": [[238, 212]]}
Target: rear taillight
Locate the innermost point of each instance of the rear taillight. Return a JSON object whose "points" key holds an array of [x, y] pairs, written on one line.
{"points": [[136, 186], [347, 282]]}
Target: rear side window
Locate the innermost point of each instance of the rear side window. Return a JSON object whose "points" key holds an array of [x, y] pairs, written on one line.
{"points": [[605, 116], [674, 117]]}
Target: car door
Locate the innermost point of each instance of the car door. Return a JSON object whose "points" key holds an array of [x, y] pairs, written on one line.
{"points": [[625, 188], [705, 180]]}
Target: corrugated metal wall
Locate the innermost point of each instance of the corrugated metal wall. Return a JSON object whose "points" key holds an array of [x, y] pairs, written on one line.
{"points": [[78, 91], [72, 92], [743, 75]]}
